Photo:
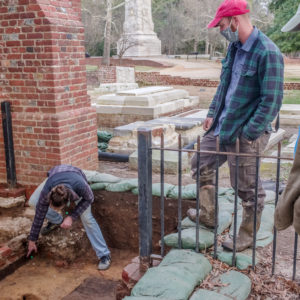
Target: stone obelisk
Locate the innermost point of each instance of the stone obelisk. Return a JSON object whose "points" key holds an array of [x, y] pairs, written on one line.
{"points": [[138, 30]]}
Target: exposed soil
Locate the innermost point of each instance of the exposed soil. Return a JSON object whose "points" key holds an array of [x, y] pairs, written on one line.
{"points": [[52, 280]]}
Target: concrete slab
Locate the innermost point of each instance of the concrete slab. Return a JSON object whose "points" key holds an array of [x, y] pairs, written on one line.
{"points": [[125, 137], [194, 114], [145, 91], [290, 109], [290, 120], [153, 112], [142, 100], [114, 87], [170, 162]]}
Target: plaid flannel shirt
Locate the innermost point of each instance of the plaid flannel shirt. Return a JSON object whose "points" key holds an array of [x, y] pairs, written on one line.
{"points": [[76, 181], [258, 96]]}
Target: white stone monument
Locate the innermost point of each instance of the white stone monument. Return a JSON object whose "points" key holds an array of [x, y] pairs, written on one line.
{"points": [[139, 38]]}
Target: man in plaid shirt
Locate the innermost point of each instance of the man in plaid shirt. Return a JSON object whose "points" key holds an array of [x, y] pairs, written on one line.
{"points": [[247, 100], [66, 184]]}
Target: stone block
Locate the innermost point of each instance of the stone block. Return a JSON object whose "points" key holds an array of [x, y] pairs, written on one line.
{"points": [[170, 161], [125, 75], [18, 242], [126, 137], [107, 88], [275, 138], [11, 202], [12, 227]]}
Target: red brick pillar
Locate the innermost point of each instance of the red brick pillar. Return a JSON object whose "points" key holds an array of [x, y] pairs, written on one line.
{"points": [[43, 76]]}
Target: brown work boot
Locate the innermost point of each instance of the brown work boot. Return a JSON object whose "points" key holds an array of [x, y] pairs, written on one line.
{"points": [[244, 239], [207, 207]]}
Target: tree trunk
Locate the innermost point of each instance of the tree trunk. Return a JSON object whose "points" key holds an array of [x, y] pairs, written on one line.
{"points": [[107, 36], [195, 45], [206, 45]]}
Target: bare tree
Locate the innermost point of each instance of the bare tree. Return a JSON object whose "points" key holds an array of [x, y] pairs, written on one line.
{"points": [[107, 31], [124, 44], [107, 34]]}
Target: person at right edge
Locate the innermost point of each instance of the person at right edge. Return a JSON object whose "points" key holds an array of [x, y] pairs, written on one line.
{"points": [[288, 207], [247, 100]]}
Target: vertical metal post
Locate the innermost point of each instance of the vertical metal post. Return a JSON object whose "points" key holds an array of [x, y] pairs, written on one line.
{"points": [[276, 200], [236, 186], [295, 256], [255, 207], [145, 195], [179, 190], [217, 198], [197, 193], [9, 145], [162, 192]]}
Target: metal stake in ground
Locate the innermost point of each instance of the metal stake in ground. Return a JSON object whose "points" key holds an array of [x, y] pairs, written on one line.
{"points": [[9, 145]]}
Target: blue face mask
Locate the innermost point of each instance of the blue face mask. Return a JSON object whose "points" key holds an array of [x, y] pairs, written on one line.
{"points": [[230, 35]]}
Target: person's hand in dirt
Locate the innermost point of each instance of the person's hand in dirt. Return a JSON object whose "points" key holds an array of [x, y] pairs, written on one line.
{"points": [[67, 223], [207, 123], [31, 247]]}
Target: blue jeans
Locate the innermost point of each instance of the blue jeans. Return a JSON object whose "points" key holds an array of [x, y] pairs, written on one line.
{"points": [[89, 223]]}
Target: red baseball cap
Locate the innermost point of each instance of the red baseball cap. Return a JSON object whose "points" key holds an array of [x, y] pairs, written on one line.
{"points": [[229, 8]]}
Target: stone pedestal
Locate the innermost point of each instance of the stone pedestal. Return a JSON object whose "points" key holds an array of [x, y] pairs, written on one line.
{"points": [[142, 104], [138, 37], [114, 79]]}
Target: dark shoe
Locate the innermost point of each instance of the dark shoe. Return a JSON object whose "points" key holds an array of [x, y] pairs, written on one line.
{"points": [[104, 263], [244, 239], [48, 228]]}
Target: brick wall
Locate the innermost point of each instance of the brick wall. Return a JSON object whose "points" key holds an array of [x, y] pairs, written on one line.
{"points": [[107, 74], [43, 75], [12, 254], [155, 78]]}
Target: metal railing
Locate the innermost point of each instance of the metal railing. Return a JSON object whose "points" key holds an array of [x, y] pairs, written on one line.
{"points": [[145, 196]]}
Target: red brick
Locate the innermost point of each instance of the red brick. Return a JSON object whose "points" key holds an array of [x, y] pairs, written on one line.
{"points": [[5, 251]]}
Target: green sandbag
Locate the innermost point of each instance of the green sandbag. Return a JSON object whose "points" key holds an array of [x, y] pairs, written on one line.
{"points": [[187, 192], [175, 278], [94, 176], [98, 186], [123, 186], [202, 294], [193, 262], [156, 189], [238, 285], [270, 197], [225, 220], [102, 146], [188, 238], [103, 136], [243, 259], [144, 298]]}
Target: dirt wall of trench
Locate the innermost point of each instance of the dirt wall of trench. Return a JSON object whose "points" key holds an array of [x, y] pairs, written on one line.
{"points": [[117, 214]]}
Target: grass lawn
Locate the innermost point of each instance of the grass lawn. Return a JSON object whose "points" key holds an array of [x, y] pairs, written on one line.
{"points": [[292, 79], [291, 97], [91, 68]]}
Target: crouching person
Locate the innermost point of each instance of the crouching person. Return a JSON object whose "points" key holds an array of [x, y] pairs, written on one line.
{"points": [[65, 184]]}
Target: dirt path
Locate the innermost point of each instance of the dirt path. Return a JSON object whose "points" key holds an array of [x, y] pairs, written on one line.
{"points": [[49, 280], [203, 68]]}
